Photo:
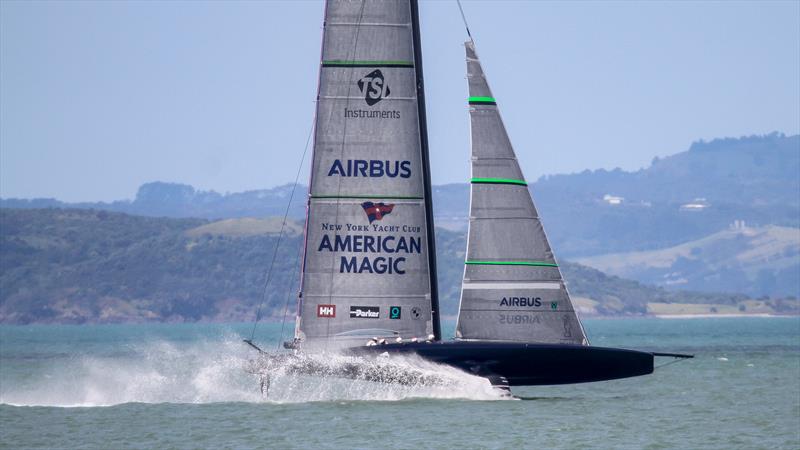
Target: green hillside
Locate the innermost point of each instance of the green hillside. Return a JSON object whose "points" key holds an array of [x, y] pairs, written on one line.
{"points": [[748, 260], [76, 266]]}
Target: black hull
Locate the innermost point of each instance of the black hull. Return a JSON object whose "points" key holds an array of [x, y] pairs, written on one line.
{"points": [[528, 364]]}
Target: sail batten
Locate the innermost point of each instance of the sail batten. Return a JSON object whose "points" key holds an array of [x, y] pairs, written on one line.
{"points": [[499, 180], [512, 263], [512, 288]]}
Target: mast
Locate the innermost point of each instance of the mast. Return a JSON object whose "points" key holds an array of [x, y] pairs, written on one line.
{"points": [[426, 172]]}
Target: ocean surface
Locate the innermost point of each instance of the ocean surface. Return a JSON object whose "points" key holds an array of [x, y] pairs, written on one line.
{"points": [[184, 386]]}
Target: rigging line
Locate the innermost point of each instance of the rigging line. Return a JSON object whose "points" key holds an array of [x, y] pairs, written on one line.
{"points": [[280, 235], [289, 295], [464, 18], [677, 360]]}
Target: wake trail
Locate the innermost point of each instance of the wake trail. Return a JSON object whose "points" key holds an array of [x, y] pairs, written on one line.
{"points": [[222, 371], [325, 376]]}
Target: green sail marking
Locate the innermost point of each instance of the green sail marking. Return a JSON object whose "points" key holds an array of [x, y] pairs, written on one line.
{"points": [[346, 63], [512, 263], [482, 101], [498, 181]]}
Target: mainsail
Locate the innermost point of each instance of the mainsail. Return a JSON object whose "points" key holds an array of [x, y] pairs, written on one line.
{"points": [[368, 262], [512, 288]]}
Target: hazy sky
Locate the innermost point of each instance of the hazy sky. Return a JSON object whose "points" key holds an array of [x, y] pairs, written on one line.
{"points": [[97, 97]]}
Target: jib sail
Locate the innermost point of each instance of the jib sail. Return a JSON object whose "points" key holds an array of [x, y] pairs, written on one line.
{"points": [[512, 288], [367, 269]]}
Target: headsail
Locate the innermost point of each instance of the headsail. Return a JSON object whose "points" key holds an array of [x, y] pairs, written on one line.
{"points": [[512, 288], [366, 266]]}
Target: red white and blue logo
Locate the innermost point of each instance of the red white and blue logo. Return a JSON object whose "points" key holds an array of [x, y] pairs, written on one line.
{"points": [[376, 211]]}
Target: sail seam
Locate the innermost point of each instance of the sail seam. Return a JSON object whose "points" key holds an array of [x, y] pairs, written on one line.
{"points": [[498, 181], [493, 158], [371, 24], [344, 97], [417, 296], [345, 63], [503, 218], [401, 197], [510, 285], [512, 263], [518, 310]]}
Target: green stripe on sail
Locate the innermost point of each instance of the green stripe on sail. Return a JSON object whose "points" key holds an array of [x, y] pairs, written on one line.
{"points": [[512, 263], [347, 63], [498, 181], [398, 197], [482, 101]]}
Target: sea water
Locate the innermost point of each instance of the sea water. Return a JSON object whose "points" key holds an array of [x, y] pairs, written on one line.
{"points": [[184, 386]]}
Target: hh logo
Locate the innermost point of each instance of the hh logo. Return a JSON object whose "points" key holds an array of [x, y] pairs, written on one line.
{"points": [[376, 211], [373, 86], [326, 310]]}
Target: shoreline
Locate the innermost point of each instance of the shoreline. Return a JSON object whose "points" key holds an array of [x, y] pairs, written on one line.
{"points": [[722, 315], [445, 318], [690, 316]]}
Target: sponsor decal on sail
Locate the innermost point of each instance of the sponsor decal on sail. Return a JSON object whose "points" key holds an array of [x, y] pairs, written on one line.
{"points": [[379, 265], [376, 211], [395, 312], [361, 243], [372, 168], [328, 311], [364, 243], [350, 113], [416, 313], [374, 87], [518, 319], [521, 301], [365, 312]]}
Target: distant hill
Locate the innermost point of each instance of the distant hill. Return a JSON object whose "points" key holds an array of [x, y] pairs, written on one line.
{"points": [[754, 261], [754, 170], [76, 266], [677, 199], [160, 199], [754, 179]]}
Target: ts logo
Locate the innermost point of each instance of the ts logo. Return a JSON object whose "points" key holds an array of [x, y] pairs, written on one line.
{"points": [[373, 86]]}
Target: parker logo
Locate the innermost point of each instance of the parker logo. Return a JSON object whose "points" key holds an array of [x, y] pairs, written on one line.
{"points": [[376, 211], [328, 311], [373, 86], [365, 312]]}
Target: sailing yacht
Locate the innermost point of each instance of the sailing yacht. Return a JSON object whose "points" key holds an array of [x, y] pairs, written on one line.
{"points": [[368, 278]]}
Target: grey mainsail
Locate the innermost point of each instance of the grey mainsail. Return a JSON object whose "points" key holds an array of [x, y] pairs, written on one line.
{"points": [[512, 288], [366, 264]]}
